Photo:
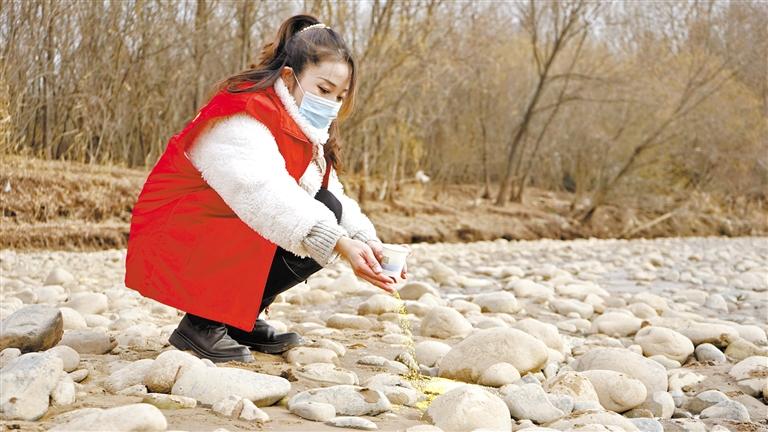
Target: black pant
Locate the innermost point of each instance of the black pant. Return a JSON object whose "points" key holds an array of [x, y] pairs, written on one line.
{"points": [[288, 269]]}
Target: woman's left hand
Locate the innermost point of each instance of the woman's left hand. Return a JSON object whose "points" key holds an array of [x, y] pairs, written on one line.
{"points": [[378, 251]]}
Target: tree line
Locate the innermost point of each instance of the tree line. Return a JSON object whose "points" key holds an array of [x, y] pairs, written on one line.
{"points": [[614, 101]]}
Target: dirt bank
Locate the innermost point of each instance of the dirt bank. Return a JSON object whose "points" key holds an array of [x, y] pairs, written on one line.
{"points": [[72, 206]]}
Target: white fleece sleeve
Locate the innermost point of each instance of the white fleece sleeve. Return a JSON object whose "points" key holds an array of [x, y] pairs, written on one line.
{"points": [[239, 158], [357, 224]]}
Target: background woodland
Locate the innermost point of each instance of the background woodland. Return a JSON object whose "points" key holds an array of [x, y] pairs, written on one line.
{"points": [[641, 104]]}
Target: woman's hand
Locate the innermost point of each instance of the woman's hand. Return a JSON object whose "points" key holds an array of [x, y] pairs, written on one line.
{"points": [[378, 251], [364, 263]]}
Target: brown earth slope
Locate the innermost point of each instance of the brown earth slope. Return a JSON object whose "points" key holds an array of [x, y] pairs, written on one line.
{"points": [[73, 206]]}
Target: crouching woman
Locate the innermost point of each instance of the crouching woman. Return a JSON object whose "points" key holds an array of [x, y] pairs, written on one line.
{"points": [[245, 201]]}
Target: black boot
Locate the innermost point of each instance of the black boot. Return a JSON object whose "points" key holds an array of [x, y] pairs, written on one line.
{"points": [[208, 339], [263, 338]]}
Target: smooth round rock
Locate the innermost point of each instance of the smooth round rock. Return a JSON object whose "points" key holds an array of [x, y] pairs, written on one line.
{"points": [[168, 366], [529, 402], [32, 328], [498, 375], [444, 323], [27, 383], [429, 353], [617, 392], [352, 423], [342, 321], [573, 384], [467, 408], [497, 302], [664, 341], [132, 417], [708, 352], [69, 357], [468, 359], [315, 411], [210, 384], [650, 373]]}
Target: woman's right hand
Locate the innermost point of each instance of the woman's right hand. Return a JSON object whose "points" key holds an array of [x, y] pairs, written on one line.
{"points": [[364, 262]]}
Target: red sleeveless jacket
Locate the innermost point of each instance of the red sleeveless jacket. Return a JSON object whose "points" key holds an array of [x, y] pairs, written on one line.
{"points": [[186, 247]]}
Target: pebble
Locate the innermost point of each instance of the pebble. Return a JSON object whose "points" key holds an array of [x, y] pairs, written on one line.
{"points": [[573, 384], [59, 276], [528, 401], [131, 417], [342, 321], [497, 302], [739, 349], [32, 328], [617, 324], [704, 400], [605, 419], [88, 302], [379, 304], [647, 425], [251, 412], [702, 332], [730, 409], [79, 375], [397, 390], [429, 352], [236, 406], [616, 391], [326, 374], [751, 374], [346, 399], [128, 375], [167, 367], [468, 359], [498, 375], [414, 290], [88, 341], [443, 322], [664, 341], [315, 411], [27, 383], [69, 357], [650, 373], [167, 401], [568, 307], [211, 384], [306, 355], [530, 289], [7, 355], [333, 346], [542, 331], [707, 352], [353, 423], [468, 408], [660, 404], [64, 392]]}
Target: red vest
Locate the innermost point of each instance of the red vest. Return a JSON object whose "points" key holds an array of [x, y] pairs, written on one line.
{"points": [[186, 247]]}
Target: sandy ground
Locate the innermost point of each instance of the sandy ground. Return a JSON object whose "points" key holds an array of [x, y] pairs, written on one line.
{"points": [[708, 265]]}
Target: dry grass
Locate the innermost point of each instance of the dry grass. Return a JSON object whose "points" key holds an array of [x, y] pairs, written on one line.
{"points": [[65, 205], [74, 206]]}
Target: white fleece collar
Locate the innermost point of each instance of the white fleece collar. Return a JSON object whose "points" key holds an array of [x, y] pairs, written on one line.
{"points": [[317, 136]]}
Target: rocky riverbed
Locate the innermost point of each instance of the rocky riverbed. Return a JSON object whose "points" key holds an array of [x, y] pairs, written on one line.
{"points": [[598, 335]]}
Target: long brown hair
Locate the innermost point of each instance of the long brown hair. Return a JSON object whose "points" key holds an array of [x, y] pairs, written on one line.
{"points": [[294, 49]]}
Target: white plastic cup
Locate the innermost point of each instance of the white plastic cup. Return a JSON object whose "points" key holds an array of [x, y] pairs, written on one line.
{"points": [[393, 259]]}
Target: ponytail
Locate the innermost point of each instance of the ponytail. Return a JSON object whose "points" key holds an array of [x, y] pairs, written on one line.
{"points": [[273, 50]]}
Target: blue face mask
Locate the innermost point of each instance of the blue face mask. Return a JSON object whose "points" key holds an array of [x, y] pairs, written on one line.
{"points": [[317, 110]]}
